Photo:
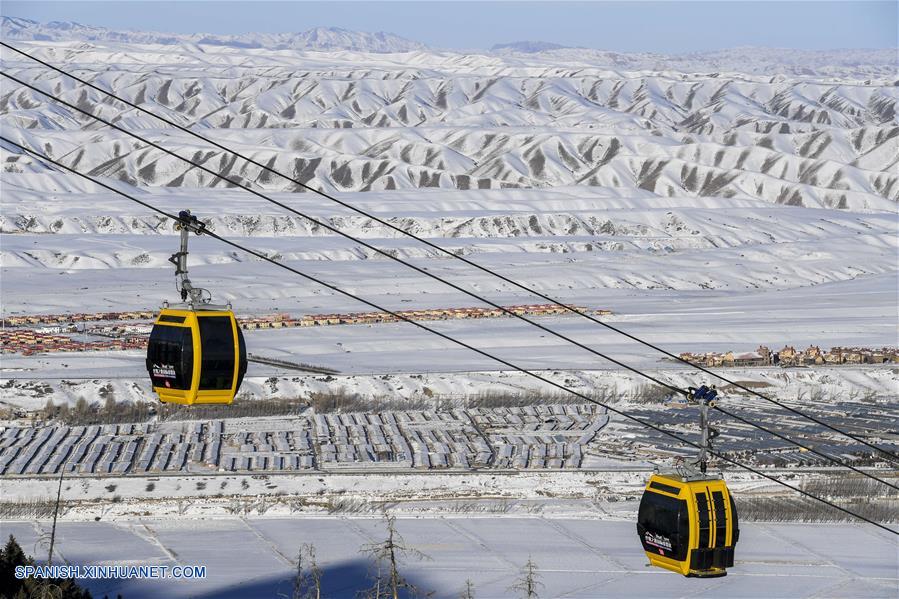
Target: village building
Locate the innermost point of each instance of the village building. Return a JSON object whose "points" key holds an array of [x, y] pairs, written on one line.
{"points": [[749, 359], [788, 356]]}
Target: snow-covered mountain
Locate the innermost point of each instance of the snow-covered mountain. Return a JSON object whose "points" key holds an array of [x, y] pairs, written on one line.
{"points": [[769, 62], [635, 179], [347, 121], [851, 63], [712, 202], [528, 47], [317, 39]]}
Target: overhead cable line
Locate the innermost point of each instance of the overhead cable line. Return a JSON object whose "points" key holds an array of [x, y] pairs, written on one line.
{"points": [[451, 339], [337, 231], [573, 309], [427, 273]]}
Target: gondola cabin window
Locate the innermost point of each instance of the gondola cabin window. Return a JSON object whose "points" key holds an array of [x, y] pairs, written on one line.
{"points": [[217, 341], [666, 525], [170, 357]]}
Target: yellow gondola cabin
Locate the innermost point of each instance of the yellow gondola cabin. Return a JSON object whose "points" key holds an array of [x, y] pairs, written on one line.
{"points": [[688, 524], [196, 356]]}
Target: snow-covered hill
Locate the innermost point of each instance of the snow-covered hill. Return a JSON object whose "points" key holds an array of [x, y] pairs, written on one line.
{"points": [[528, 47], [349, 121], [317, 38], [768, 62], [845, 63], [708, 208]]}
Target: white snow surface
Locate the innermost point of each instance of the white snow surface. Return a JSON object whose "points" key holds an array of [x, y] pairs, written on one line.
{"points": [[254, 557]]}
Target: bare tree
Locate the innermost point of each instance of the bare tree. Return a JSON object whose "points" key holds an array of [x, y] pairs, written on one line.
{"points": [[468, 591], [308, 581], [81, 407], [109, 406], [529, 581], [387, 555]]}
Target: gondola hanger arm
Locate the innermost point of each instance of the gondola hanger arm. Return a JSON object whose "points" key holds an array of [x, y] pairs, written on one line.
{"points": [[195, 296]]}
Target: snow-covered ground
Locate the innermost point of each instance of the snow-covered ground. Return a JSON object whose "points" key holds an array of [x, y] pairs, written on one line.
{"points": [[712, 202], [254, 557]]}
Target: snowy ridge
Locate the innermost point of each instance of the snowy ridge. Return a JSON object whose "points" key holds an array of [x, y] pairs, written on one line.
{"points": [[527, 47], [842, 63], [708, 209], [791, 141], [799, 170], [670, 242], [627, 387], [772, 62], [318, 38]]}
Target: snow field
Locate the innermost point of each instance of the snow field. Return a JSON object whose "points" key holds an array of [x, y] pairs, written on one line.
{"points": [[576, 558]]}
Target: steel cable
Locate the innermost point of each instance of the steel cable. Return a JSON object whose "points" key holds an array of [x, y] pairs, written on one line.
{"points": [[891, 456], [451, 339], [435, 277]]}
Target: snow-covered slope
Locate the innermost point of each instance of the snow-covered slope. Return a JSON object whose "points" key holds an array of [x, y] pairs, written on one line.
{"points": [[451, 121], [318, 38], [845, 63], [703, 207]]}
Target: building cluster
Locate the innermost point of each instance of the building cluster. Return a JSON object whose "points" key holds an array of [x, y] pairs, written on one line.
{"points": [[628, 440], [277, 321], [790, 356], [62, 319], [116, 331], [282, 319], [51, 336], [536, 437], [265, 450], [28, 342], [539, 436], [532, 437]]}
